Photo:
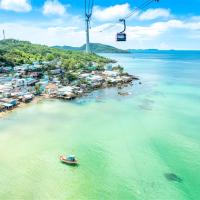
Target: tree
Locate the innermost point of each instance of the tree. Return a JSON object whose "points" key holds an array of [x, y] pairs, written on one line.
{"points": [[71, 76], [37, 89], [118, 68]]}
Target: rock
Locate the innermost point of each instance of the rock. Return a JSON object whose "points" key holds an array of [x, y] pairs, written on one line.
{"points": [[173, 177], [123, 93]]}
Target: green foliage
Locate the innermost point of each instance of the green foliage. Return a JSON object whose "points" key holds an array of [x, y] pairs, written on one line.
{"points": [[15, 52], [37, 89], [118, 68], [71, 76]]}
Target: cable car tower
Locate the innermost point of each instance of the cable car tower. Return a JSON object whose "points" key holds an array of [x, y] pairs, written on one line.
{"points": [[89, 4], [4, 35]]}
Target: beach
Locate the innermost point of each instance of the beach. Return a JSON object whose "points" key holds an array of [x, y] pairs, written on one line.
{"points": [[36, 100]]}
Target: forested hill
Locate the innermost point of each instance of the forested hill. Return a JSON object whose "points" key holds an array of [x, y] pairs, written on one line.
{"points": [[15, 52], [95, 47]]}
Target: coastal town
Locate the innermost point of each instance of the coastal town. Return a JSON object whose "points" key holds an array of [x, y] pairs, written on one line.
{"points": [[22, 84]]}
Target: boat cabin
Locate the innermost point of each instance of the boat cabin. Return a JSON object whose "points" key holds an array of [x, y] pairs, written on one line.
{"points": [[71, 158]]}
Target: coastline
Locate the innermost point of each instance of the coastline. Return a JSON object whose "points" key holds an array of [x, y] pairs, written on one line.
{"points": [[46, 96], [36, 100]]}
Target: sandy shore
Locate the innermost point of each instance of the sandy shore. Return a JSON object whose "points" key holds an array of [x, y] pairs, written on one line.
{"points": [[36, 100]]}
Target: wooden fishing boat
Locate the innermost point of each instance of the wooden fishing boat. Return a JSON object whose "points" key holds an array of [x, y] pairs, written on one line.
{"points": [[70, 160]]}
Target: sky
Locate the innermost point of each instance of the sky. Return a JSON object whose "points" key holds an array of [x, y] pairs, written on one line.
{"points": [[169, 24]]}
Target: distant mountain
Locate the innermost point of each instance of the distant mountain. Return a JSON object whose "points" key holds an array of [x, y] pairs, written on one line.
{"points": [[68, 48], [143, 50], [96, 48]]}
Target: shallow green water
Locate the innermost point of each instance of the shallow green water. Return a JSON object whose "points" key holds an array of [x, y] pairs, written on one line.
{"points": [[125, 145]]}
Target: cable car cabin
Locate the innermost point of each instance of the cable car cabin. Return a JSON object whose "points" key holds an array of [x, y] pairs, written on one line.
{"points": [[121, 37]]}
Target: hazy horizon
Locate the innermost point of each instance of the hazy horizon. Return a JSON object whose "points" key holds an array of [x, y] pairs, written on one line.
{"points": [[146, 49]]}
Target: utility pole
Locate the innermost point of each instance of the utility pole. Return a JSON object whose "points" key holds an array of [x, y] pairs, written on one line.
{"points": [[4, 35]]}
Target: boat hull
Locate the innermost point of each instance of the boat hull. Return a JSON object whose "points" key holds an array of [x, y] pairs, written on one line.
{"points": [[65, 161]]}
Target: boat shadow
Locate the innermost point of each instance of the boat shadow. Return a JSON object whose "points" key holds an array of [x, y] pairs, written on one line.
{"points": [[71, 165]]}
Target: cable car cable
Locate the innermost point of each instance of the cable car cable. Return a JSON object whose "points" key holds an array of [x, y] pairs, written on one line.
{"points": [[141, 7], [144, 5]]}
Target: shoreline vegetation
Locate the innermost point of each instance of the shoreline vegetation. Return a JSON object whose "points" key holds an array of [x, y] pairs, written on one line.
{"points": [[31, 73]]}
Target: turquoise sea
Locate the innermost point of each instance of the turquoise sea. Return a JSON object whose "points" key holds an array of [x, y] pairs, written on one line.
{"points": [[145, 146]]}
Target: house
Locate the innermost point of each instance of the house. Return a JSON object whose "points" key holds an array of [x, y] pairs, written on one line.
{"points": [[27, 98], [42, 84], [5, 80], [5, 90], [108, 67], [66, 92], [10, 101], [15, 94], [19, 68], [111, 80], [51, 89], [110, 73], [36, 63], [95, 78], [84, 75], [6, 94], [2, 107], [19, 82], [56, 71], [45, 62], [56, 80], [8, 106], [35, 74], [5, 69], [31, 81]]}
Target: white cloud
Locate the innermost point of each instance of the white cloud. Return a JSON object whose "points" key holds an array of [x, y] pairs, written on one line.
{"points": [[112, 12], [170, 34], [164, 46], [122, 10], [51, 35], [151, 14], [15, 5], [53, 7], [156, 29]]}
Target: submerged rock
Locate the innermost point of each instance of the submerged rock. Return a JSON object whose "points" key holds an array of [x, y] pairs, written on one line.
{"points": [[173, 177], [124, 93]]}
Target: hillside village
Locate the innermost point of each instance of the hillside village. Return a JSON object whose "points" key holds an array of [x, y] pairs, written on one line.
{"points": [[50, 79]]}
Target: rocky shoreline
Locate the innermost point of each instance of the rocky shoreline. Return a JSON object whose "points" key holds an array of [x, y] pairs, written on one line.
{"points": [[88, 82]]}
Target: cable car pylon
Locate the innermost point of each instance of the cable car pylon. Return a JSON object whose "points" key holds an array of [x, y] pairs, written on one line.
{"points": [[4, 35], [88, 14]]}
